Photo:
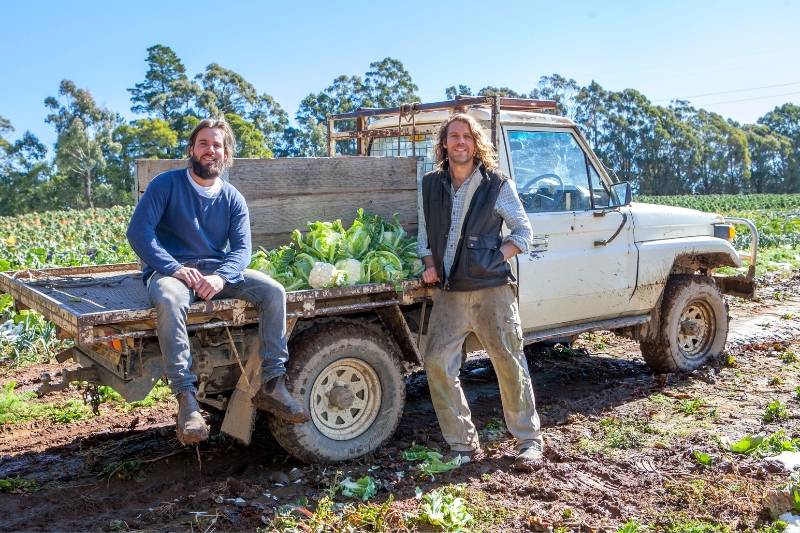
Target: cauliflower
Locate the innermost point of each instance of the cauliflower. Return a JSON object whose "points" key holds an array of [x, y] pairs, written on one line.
{"points": [[353, 270], [325, 275]]}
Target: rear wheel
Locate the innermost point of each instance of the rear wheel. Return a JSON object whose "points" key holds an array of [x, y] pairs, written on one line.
{"points": [[350, 379], [693, 325]]}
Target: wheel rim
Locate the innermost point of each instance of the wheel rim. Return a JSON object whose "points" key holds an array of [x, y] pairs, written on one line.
{"points": [[696, 329], [345, 399]]}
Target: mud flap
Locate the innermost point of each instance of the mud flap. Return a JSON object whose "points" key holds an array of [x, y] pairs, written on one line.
{"points": [[240, 416], [741, 286], [241, 413]]}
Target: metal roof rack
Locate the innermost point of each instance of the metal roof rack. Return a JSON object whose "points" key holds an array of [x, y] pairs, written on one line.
{"points": [[409, 111]]}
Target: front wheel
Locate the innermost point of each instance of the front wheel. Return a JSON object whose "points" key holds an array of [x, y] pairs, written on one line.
{"points": [[693, 325], [350, 379]]}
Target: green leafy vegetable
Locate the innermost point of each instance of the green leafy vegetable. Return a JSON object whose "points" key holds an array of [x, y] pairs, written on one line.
{"points": [[365, 488], [747, 444]]}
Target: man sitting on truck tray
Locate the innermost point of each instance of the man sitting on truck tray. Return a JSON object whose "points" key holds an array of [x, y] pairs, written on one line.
{"points": [[462, 209], [191, 230]]}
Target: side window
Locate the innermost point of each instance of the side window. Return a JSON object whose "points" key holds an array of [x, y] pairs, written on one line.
{"points": [[550, 171], [601, 194], [423, 147]]}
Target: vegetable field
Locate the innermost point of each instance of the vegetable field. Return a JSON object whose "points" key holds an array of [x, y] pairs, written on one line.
{"points": [[97, 236]]}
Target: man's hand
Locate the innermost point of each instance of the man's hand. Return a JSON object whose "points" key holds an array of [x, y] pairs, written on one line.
{"points": [[509, 250], [429, 275], [190, 276], [209, 286]]}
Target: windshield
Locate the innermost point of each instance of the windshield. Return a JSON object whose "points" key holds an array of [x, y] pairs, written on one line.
{"points": [[552, 173]]}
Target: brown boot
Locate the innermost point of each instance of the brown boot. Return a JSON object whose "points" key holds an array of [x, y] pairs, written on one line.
{"points": [[191, 427], [274, 397]]}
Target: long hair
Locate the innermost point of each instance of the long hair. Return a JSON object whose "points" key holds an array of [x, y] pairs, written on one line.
{"points": [[484, 151], [228, 138]]}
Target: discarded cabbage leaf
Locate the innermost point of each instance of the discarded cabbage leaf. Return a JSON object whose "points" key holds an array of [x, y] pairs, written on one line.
{"points": [[365, 488]]}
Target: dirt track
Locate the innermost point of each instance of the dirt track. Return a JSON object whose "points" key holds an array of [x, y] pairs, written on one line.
{"points": [[122, 471]]}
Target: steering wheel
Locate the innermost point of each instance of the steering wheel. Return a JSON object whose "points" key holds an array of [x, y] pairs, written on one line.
{"points": [[549, 175], [536, 199]]}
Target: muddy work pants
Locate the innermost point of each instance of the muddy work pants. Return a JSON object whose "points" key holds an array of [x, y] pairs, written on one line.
{"points": [[172, 298], [493, 316]]}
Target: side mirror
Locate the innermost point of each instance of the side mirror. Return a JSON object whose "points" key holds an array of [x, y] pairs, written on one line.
{"points": [[622, 193]]}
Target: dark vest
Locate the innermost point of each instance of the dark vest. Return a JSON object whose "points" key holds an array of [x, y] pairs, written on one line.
{"points": [[478, 262]]}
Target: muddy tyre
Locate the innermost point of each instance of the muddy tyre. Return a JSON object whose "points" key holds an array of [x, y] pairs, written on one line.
{"points": [[693, 325], [350, 380]]}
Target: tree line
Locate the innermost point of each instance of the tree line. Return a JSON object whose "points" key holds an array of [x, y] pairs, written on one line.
{"points": [[673, 149]]}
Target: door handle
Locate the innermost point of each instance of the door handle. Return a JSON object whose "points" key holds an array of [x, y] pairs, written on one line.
{"points": [[622, 225]]}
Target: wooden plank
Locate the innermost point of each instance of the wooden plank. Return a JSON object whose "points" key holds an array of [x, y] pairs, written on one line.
{"points": [[272, 220], [269, 178], [285, 194]]}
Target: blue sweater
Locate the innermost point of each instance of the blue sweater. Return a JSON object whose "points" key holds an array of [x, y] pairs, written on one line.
{"points": [[173, 225]]}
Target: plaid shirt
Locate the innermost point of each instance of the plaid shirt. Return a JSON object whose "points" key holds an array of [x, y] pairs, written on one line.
{"points": [[507, 206]]}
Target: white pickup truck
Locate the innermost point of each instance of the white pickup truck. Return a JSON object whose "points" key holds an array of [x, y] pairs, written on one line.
{"points": [[599, 262]]}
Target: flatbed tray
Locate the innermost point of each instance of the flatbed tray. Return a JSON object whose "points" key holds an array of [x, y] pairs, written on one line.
{"points": [[98, 303]]}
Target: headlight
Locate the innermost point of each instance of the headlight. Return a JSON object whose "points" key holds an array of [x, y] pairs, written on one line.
{"points": [[725, 231]]}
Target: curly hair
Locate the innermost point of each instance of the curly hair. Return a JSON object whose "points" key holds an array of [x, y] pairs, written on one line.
{"points": [[228, 138], [484, 151]]}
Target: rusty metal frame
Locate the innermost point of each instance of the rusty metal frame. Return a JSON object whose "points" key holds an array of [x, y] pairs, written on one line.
{"points": [[91, 328], [461, 103]]}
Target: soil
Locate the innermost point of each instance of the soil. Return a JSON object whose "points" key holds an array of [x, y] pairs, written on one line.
{"points": [[124, 470]]}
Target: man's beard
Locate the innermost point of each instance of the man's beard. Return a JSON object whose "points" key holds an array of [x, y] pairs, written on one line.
{"points": [[210, 171]]}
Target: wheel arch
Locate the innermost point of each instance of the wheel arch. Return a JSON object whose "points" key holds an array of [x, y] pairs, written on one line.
{"points": [[390, 321]]}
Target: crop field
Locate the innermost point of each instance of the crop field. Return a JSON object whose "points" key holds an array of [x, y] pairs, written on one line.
{"points": [[777, 216], [97, 236], [65, 238]]}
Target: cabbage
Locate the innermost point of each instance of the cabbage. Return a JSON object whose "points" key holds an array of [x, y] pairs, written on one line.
{"points": [[383, 267], [353, 270], [325, 275], [371, 250]]}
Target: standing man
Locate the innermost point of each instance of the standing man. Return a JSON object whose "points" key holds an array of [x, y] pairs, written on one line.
{"points": [[191, 230], [463, 206]]}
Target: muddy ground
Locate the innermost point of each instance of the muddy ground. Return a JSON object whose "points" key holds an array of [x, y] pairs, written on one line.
{"points": [[620, 444]]}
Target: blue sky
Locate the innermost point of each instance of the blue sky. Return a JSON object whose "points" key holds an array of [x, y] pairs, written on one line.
{"points": [[723, 51]]}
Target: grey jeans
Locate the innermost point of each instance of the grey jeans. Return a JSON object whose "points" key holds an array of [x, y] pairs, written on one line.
{"points": [[493, 316], [172, 298]]}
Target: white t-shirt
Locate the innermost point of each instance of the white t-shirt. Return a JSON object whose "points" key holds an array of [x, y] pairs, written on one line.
{"points": [[211, 191]]}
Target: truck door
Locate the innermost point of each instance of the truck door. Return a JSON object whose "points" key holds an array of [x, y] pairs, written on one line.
{"points": [[583, 263]]}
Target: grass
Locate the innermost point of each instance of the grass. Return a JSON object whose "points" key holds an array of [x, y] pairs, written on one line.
{"points": [[130, 469], [160, 393], [775, 411], [18, 485], [17, 407], [494, 430], [625, 433], [690, 406]]}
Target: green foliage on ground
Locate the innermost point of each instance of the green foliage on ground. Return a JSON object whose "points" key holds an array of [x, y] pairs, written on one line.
{"points": [[17, 407]]}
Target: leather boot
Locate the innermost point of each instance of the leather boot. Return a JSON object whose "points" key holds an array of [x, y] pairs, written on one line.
{"points": [[191, 427], [274, 397]]}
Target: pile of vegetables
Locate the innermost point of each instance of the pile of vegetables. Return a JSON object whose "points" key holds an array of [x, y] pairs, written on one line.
{"points": [[371, 250]]}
